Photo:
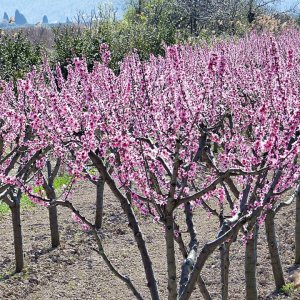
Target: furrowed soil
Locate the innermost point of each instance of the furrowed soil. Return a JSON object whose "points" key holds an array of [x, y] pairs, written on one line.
{"points": [[76, 271]]}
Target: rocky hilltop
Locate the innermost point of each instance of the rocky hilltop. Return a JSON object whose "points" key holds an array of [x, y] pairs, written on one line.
{"points": [[19, 19]]}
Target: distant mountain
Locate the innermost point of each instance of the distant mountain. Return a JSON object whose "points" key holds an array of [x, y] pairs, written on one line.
{"points": [[56, 10]]}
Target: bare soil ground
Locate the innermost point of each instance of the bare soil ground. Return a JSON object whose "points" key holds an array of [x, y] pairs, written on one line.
{"points": [[76, 271]]}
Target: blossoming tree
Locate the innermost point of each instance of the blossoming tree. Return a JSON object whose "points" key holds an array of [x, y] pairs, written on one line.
{"points": [[175, 134]]}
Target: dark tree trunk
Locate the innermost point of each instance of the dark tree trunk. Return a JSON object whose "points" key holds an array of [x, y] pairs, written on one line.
{"points": [[53, 219], [99, 203], [51, 194], [18, 239], [225, 263], [250, 266], [297, 227], [273, 249], [54, 226], [171, 261]]}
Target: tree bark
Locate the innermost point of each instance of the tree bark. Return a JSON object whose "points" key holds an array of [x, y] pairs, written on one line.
{"points": [[18, 238], [250, 266], [225, 263], [99, 203], [297, 227], [273, 249], [51, 194], [171, 262], [53, 219], [187, 267]]}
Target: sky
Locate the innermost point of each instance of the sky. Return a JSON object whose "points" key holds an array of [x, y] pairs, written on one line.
{"points": [[285, 4], [59, 10], [56, 10]]}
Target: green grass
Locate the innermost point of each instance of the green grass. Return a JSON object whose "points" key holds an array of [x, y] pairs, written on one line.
{"points": [[60, 181], [92, 171], [289, 289], [4, 209], [26, 204]]}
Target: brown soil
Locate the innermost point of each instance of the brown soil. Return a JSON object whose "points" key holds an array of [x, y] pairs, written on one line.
{"points": [[76, 271]]}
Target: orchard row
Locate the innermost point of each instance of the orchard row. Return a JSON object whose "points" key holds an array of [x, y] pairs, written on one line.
{"points": [[201, 127]]}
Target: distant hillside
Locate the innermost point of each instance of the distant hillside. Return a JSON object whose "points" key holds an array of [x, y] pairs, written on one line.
{"points": [[56, 10]]}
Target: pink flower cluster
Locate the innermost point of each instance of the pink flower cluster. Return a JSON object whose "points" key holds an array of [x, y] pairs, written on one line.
{"points": [[232, 105]]}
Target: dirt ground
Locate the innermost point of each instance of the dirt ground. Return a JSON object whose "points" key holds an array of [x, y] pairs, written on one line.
{"points": [[76, 271]]}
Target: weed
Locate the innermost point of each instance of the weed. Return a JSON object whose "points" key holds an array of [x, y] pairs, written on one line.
{"points": [[288, 289]]}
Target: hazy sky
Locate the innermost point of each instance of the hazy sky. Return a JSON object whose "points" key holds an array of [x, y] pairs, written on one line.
{"points": [[59, 10], [56, 10], [287, 3]]}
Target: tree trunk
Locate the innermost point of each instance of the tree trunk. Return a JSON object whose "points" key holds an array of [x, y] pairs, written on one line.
{"points": [[273, 249], [99, 203], [53, 219], [171, 262], [250, 266], [225, 263], [54, 226], [18, 239], [297, 227]]}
